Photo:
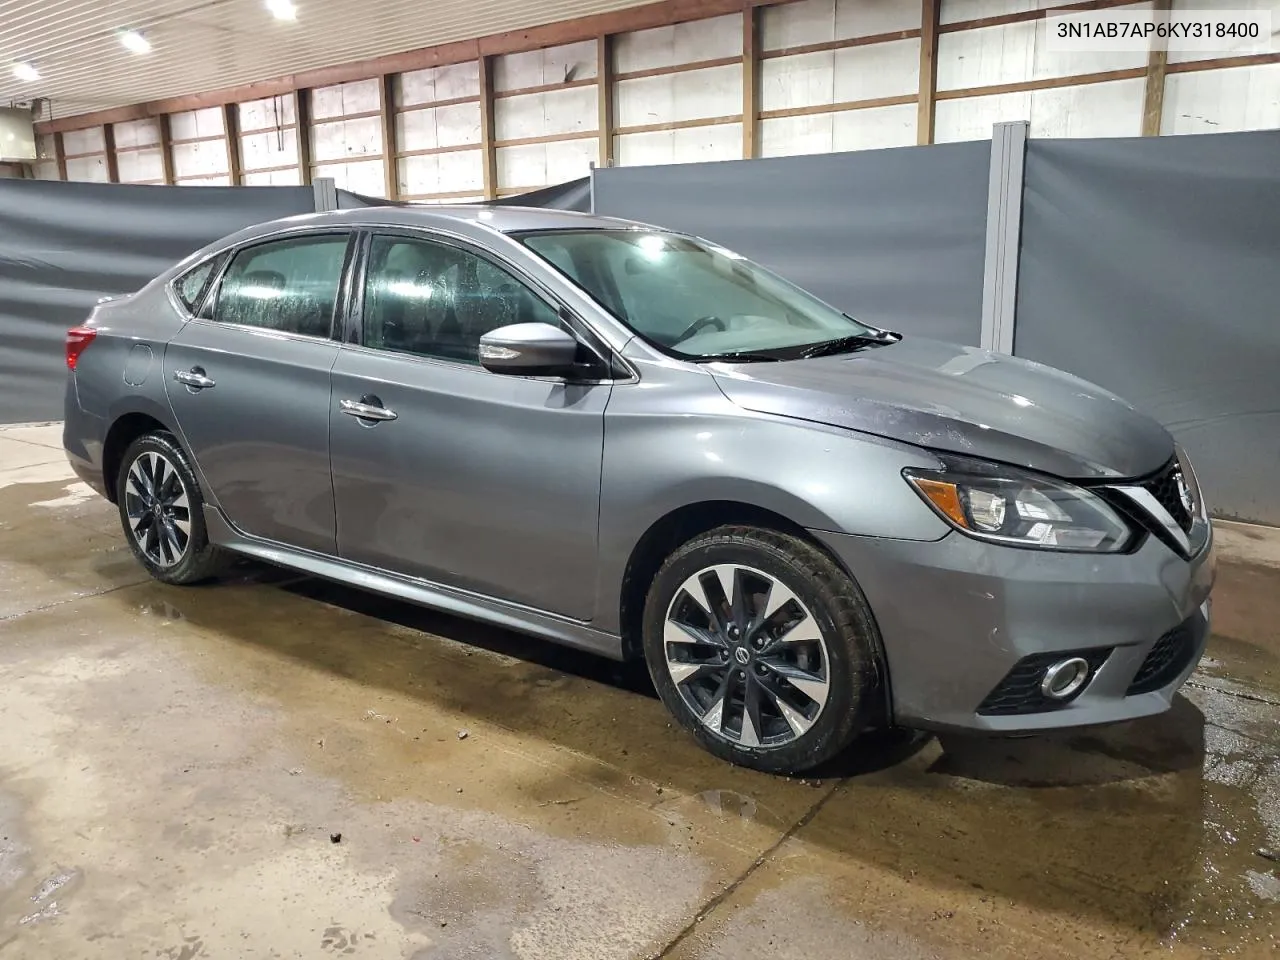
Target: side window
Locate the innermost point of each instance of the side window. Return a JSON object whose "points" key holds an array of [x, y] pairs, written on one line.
{"points": [[289, 285], [437, 301], [190, 287]]}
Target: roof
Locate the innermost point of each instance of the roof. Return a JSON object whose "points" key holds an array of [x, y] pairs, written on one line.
{"points": [[504, 219]]}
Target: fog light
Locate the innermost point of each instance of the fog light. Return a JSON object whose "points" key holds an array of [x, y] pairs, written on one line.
{"points": [[1065, 678]]}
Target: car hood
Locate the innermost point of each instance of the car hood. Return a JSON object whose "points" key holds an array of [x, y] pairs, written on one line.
{"points": [[960, 400]]}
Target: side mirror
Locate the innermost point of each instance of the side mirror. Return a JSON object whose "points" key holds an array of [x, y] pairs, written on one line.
{"points": [[528, 349]]}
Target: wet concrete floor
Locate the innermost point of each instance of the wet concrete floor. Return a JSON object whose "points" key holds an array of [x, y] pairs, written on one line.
{"points": [[276, 767]]}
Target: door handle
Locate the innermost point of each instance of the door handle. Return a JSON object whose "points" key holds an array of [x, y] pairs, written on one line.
{"points": [[362, 410], [194, 378]]}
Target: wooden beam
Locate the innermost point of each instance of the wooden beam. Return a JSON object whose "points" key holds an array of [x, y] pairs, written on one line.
{"points": [[231, 128], [109, 150], [660, 14], [544, 88], [390, 152], [1037, 14], [166, 151], [683, 124], [1025, 85], [488, 154], [750, 83], [60, 154], [302, 110], [827, 45], [678, 68], [604, 99], [930, 10], [818, 108], [1153, 94], [1223, 63]]}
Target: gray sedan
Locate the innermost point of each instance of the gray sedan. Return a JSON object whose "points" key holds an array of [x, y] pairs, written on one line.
{"points": [[641, 444]]}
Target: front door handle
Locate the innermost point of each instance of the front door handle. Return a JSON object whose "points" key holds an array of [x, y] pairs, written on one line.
{"points": [[366, 408], [194, 378]]}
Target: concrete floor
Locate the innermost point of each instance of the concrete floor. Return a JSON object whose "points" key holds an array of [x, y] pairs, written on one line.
{"points": [[176, 767]]}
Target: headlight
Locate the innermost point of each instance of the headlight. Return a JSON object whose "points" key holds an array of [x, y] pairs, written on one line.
{"points": [[1007, 505]]}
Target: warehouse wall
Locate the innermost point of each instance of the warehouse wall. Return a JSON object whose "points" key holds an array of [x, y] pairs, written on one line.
{"points": [[771, 78]]}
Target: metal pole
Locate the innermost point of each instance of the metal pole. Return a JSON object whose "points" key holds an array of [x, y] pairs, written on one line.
{"points": [[1004, 232], [326, 193]]}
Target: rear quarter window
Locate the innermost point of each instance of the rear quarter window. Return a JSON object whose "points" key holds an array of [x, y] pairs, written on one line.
{"points": [[190, 288]]}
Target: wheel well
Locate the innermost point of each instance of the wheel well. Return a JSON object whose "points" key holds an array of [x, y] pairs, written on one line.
{"points": [[677, 527], [122, 433]]}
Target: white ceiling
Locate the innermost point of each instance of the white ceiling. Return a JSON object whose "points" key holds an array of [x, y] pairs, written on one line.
{"points": [[204, 45]]}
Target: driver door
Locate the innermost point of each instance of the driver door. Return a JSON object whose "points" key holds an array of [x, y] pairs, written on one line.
{"points": [[475, 480]]}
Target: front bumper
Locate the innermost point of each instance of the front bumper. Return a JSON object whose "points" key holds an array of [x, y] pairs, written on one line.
{"points": [[957, 615]]}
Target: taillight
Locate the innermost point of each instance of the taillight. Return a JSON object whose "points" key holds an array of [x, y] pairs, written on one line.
{"points": [[78, 340]]}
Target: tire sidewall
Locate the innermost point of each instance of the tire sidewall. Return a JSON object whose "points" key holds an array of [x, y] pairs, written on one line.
{"points": [[847, 660], [167, 446]]}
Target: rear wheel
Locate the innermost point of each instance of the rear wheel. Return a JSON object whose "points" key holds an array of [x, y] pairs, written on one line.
{"points": [[762, 647], [162, 512]]}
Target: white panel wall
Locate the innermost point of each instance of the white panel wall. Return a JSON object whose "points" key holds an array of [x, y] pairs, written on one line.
{"points": [[689, 145], [203, 163], [677, 45], [86, 156], [138, 154], [1236, 48], [540, 68], [1223, 101], [46, 167], [270, 158], [954, 11], [822, 21], [1111, 109], [836, 76], [196, 123], [1018, 52], [679, 98], [269, 114], [534, 165], [454, 128], [867, 129]]}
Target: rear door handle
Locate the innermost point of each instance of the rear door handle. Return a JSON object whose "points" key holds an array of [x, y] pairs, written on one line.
{"points": [[194, 378], [364, 410]]}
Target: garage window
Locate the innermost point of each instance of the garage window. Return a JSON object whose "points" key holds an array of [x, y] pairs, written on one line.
{"points": [[286, 285]]}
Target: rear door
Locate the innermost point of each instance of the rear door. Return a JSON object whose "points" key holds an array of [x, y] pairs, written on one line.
{"points": [[248, 381], [482, 481]]}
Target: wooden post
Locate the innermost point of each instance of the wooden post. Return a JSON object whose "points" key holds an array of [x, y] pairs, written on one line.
{"points": [[929, 12], [604, 100], [166, 150], [60, 154], [231, 130], [109, 151], [302, 115], [1153, 96], [489, 159], [751, 82], [390, 148]]}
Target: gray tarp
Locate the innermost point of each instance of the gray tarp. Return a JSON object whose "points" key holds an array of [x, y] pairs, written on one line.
{"points": [[64, 245], [1152, 267], [893, 237]]}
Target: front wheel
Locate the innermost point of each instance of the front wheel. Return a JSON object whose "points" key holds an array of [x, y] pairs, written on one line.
{"points": [[762, 647], [162, 512]]}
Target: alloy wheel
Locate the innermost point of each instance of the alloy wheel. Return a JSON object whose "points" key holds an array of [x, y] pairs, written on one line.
{"points": [[746, 655], [158, 509]]}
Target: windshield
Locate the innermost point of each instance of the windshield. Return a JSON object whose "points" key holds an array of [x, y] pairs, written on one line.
{"points": [[693, 299]]}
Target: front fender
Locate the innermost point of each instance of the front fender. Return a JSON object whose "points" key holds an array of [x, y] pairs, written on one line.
{"points": [[695, 446]]}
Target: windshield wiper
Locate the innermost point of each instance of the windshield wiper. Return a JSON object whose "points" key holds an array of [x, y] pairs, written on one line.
{"points": [[738, 356], [857, 341]]}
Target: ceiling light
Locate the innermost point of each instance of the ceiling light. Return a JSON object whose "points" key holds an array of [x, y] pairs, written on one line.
{"points": [[26, 72], [135, 42], [282, 9]]}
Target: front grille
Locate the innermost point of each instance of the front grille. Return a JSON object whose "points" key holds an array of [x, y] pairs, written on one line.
{"points": [[1019, 692], [1164, 486], [1167, 658]]}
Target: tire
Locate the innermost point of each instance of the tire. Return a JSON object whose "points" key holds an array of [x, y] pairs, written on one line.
{"points": [[809, 668], [183, 555]]}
